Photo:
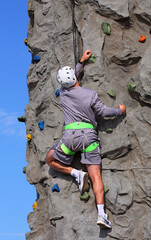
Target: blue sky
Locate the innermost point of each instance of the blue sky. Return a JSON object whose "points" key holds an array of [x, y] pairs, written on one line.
{"points": [[16, 194]]}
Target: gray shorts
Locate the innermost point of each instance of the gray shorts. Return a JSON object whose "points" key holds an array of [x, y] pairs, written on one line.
{"points": [[76, 145]]}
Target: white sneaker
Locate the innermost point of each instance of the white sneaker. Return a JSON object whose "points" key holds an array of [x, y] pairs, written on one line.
{"points": [[103, 221], [83, 182]]}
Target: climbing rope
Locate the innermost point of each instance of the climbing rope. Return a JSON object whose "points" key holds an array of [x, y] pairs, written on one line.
{"points": [[74, 31]]}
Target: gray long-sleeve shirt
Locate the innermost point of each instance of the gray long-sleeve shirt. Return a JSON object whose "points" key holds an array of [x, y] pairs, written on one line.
{"points": [[81, 104]]}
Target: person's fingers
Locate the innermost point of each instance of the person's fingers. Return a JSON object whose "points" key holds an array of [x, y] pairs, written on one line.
{"points": [[122, 107], [88, 51]]}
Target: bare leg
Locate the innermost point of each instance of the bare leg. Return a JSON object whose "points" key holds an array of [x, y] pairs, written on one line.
{"points": [[56, 165], [98, 188]]}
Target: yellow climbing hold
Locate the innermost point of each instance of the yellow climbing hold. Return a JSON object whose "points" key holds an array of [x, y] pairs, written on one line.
{"points": [[29, 137], [25, 41], [34, 205]]}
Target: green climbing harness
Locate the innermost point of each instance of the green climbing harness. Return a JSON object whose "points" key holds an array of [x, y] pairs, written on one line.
{"points": [[79, 125], [66, 150], [91, 147]]}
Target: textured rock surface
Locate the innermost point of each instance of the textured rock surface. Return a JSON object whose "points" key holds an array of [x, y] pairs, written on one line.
{"points": [[126, 154]]}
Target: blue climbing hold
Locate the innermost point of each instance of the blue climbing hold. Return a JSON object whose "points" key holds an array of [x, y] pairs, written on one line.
{"points": [[35, 59], [56, 188], [57, 93], [38, 196], [41, 125]]}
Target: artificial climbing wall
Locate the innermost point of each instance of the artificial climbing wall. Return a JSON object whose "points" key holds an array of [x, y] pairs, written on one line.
{"points": [[59, 31]]}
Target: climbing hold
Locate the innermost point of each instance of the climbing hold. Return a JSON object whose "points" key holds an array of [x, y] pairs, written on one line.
{"points": [[21, 119], [24, 170], [111, 93], [56, 188], [34, 205], [109, 130], [106, 28], [92, 58], [57, 93], [41, 125], [38, 196], [106, 189], [25, 41], [35, 59], [85, 196], [131, 86], [29, 137], [142, 39]]}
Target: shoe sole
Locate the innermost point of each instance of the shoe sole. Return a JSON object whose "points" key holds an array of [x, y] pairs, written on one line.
{"points": [[85, 186], [103, 224]]}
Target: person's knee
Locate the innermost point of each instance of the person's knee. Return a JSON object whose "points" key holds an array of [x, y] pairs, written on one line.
{"points": [[96, 177], [49, 157], [97, 181]]}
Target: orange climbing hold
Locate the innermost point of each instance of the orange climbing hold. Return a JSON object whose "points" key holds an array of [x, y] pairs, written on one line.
{"points": [[29, 137], [142, 39], [25, 41], [34, 205]]}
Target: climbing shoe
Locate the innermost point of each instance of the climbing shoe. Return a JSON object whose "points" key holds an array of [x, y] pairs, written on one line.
{"points": [[83, 182], [103, 221]]}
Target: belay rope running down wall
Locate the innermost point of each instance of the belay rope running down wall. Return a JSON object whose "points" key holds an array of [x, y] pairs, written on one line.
{"points": [[74, 28]]}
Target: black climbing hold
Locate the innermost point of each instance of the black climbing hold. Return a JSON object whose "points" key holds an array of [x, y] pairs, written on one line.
{"points": [[24, 170], [109, 130], [21, 119]]}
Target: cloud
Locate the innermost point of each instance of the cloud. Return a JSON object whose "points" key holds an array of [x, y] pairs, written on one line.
{"points": [[9, 124], [12, 234]]}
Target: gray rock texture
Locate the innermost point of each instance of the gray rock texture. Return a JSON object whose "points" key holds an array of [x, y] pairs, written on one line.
{"points": [[126, 152]]}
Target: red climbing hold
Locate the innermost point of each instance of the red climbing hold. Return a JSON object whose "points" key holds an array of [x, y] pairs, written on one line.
{"points": [[142, 39]]}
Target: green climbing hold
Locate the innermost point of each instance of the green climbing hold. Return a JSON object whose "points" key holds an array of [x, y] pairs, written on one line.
{"points": [[92, 59], [85, 196], [106, 189], [106, 28], [24, 170], [131, 86], [109, 130], [21, 119], [112, 93]]}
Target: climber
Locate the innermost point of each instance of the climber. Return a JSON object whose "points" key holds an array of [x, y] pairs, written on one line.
{"points": [[79, 107]]}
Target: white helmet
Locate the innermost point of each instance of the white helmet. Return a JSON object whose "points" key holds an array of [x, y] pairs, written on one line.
{"points": [[66, 77]]}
